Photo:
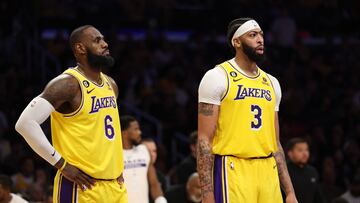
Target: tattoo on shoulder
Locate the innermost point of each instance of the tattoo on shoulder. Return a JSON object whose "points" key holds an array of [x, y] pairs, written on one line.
{"points": [[62, 88], [206, 109]]}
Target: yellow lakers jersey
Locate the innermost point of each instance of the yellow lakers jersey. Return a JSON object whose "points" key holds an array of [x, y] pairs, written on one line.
{"points": [[90, 137], [245, 127]]}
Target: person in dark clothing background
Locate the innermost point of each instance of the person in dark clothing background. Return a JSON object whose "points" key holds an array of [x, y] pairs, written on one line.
{"points": [[305, 177], [180, 173], [185, 193], [352, 195]]}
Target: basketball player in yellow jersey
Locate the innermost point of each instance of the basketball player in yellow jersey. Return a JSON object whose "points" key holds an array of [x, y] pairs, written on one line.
{"points": [[239, 155], [86, 136]]}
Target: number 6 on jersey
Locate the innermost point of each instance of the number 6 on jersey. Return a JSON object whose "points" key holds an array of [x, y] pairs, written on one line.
{"points": [[256, 110], [109, 130]]}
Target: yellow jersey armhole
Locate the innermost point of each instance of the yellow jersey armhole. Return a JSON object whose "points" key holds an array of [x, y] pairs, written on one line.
{"points": [[109, 82], [271, 83], [227, 82], [82, 99]]}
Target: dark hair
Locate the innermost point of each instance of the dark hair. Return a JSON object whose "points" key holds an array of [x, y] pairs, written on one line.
{"points": [[193, 137], [339, 200], [232, 27], [125, 122], [5, 182], [148, 139], [76, 35], [355, 178], [292, 142]]}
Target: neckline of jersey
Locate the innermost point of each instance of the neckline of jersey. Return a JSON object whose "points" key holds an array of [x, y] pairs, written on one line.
{"points": [[234, 65], [101, 75]]}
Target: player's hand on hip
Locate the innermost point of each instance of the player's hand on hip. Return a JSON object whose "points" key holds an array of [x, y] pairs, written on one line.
{"points": [[120, 180], [74, 174], [291, 198]]}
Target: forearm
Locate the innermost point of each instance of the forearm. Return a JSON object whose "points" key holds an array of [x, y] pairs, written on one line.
{"points": [[207, 121], [28, 126], [154, 184], [155, 190], [205, 161], [284, 176]]}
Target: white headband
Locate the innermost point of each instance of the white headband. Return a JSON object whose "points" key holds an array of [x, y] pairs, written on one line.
{"points": [[244, 28]]}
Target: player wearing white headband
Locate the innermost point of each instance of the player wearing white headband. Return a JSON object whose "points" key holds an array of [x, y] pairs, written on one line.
{"points": [[240, 158]]}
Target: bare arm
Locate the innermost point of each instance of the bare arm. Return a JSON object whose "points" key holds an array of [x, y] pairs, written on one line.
{"points": [[63, 92], [154, 184], [284, 177], [207, 119], [60, 90]]}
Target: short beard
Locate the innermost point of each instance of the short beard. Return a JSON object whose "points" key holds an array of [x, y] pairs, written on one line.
{"points": [[98, 62], [252, 55], [135, 143]]}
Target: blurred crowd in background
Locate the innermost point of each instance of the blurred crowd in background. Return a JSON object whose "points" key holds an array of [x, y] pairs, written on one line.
{"points": [[312, 47]]}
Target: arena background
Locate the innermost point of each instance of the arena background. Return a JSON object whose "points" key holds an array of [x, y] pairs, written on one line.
{"points": [[162, 49]]}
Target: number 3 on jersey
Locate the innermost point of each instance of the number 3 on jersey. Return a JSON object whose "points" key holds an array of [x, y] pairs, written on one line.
{"points": [[109, 130], [257, 122]]}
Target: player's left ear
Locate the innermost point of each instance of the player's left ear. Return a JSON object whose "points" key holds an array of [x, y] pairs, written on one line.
{"points": [[237, 43], [80, 48]]}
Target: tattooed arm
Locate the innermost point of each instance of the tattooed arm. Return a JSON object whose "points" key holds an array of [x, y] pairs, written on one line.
{"points": [[37, 111], [207, 119], [284, 177], [63, 94]]}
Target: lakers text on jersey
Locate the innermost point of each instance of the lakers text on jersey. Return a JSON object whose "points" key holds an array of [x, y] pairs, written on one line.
{"points": [[245, 126]]}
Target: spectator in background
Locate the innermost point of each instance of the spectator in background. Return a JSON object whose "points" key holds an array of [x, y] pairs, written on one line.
{"points": [[340, 200], [151, 145], [5, 148], [284, 34], [305, 177], [25, 178], [180, 173], [139, 171], [352, 160], [49, 195], [41, 178], [5, 191], [38, 190], [284, 30], [189, 193], [328, 185], [353, 193], [36, 194]]}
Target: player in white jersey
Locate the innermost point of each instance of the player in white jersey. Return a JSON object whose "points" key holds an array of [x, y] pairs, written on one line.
{"points": [[5, 191], [139, 172]]}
